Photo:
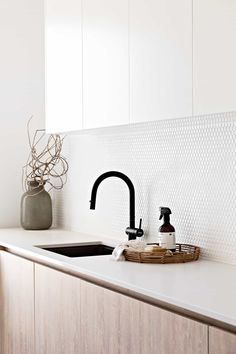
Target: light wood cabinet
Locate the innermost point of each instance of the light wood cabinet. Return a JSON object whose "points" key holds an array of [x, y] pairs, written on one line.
{"points": [[221, 342], [45, 311], [100, 320], [160, 59], [16, 305], [105, 63], [166, 332], [57, 312], [74, 316], [214, 56], [63, 66], [114, 323]]}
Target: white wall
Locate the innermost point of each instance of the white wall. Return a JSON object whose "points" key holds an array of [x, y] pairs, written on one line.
{"points": [[21, 95], [186, 164]]}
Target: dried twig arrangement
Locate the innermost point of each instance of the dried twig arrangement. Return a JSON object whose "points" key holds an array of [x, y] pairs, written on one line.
{"points": [[45, 163]]}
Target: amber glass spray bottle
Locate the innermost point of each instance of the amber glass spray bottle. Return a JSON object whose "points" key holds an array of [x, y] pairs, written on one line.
{"points": [[166, 235]]}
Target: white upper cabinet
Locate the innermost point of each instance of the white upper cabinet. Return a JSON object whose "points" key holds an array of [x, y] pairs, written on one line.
{"points": [[105, 63], [160, 59], [214, 55], [63, 36], [114, 62]]}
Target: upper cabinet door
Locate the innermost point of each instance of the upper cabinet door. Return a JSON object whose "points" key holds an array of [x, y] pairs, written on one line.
{"points": [[160, 59], [214, 55], [63, 37], [105, 63]]}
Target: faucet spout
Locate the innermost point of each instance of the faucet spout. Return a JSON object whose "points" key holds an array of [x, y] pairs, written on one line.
{"points": [[131, 195]]}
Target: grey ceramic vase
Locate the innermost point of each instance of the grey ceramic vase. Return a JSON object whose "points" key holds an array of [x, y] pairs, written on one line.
{"points": [[36, 208]]}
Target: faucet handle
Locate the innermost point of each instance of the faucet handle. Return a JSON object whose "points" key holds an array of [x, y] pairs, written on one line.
{"points": [[139, 230], [140, 223], [134, 232]]}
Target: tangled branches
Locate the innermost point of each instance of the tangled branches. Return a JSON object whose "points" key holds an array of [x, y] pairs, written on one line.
{"points": [[45, 163]]}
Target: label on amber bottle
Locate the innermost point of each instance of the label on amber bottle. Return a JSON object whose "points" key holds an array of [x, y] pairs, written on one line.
{"points": [[167, 240]]}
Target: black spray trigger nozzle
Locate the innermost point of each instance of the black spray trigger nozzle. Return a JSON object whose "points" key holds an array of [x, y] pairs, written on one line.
{"points": [[164, 211]]}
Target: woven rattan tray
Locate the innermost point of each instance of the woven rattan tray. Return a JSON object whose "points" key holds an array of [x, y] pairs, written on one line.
{"points": [[184, 253]]}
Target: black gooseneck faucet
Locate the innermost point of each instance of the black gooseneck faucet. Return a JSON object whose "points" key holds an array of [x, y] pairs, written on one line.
{"points": [[131, 231]]}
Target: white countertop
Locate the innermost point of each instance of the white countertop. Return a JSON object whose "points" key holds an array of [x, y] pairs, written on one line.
{"points": [[203, 289]]}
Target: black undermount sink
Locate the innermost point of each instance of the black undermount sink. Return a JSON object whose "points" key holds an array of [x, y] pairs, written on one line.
{"points": [[80, 250]]}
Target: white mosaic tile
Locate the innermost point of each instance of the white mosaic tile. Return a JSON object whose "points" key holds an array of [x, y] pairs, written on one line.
{"points": [[187, 164]]}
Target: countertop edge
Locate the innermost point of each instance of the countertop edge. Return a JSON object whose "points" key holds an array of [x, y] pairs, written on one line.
{"points": [[122, 289]]}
